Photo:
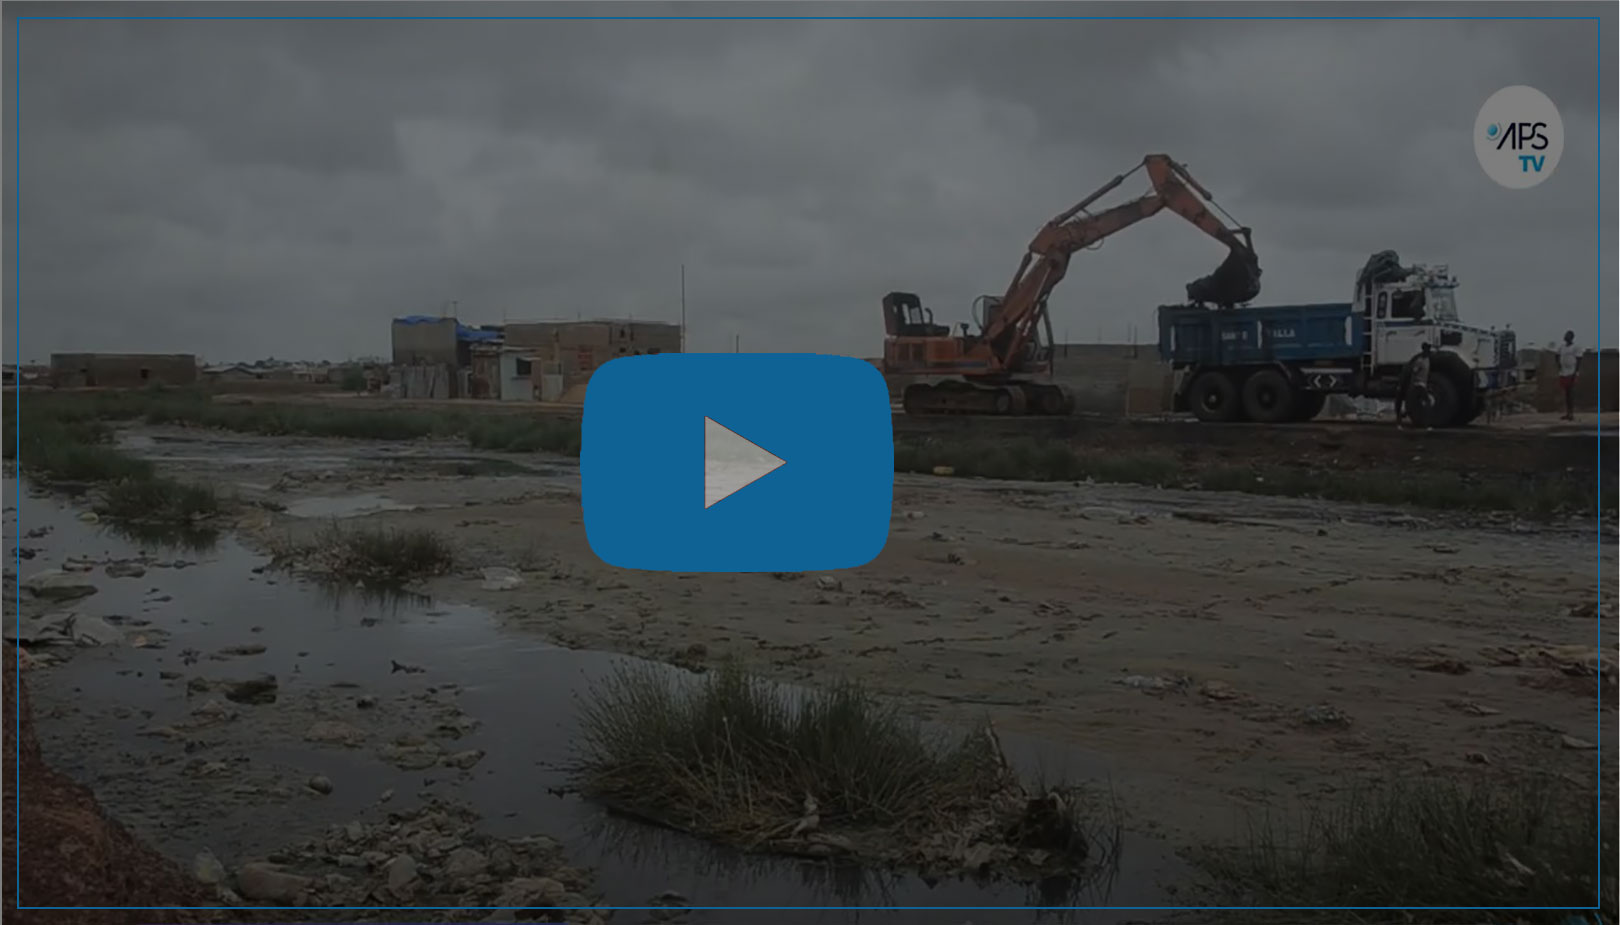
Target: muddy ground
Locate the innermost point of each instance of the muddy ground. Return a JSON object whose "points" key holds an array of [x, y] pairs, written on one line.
{"points": [[1203, 654], [1185, 639]]}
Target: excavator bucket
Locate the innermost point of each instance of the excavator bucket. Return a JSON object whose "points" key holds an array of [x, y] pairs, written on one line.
{"points": [[1235, 281]]}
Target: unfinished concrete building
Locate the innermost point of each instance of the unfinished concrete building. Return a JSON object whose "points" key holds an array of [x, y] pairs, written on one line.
{"points": [[122, 370], [561, 355]]}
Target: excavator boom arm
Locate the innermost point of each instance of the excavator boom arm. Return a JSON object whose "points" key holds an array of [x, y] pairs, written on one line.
{"points": [[1047, 260]]}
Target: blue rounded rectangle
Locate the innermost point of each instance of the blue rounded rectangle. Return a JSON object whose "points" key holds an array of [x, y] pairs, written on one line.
{"points": [[737, 462]]}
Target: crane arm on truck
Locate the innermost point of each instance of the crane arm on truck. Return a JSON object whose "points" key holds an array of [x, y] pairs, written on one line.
{"points": [[1046, 262]]}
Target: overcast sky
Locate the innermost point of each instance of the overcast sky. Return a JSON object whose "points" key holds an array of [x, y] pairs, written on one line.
{"points": [[246, 188]]}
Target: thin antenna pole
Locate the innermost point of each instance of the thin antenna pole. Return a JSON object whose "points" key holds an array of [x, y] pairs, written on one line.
{"points": [[683, 308], [736, 343]]}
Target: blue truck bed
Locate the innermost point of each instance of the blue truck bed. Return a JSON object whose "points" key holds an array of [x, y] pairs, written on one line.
{"points": [[1317, 333]]}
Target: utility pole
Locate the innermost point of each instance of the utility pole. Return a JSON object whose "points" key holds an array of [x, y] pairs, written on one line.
{"points": [[683, 308]]}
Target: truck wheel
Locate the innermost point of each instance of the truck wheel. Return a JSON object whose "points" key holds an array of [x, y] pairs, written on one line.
{"points": [[1213, 398], [1445, 402], [1310, 405], [1269, 398]]}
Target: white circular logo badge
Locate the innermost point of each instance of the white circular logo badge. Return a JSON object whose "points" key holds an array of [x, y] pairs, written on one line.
{"points": [[1519, 137]]}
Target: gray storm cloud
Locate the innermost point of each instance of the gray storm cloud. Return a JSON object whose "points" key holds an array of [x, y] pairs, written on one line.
{"points": [[255, 187]]}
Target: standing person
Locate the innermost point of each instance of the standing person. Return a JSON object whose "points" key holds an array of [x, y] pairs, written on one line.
{"points": [[1569, 362], [1412, 394]]}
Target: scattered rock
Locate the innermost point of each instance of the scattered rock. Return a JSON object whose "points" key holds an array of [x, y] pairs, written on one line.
{"points": [[410, 757], [214, 711], [320, 784], [331, 732], [958, 557], [89, 517], [408, 669], [207, 869], [233, 651], [401, 875], [365, 702], [1218, 690], [57, 585], [828, 583], [1324, 715], [1571, 742], [1445, 666], [259, 690], [125, 569], [531, 891], [1152, 683], [1472, 708], [464, 760], [269, 883], [465, 863], [500, 578]]}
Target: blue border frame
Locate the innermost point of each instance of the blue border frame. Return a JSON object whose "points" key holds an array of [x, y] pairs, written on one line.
{"points": [[17, 243]]}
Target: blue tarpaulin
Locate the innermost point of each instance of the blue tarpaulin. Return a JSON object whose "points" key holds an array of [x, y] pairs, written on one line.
{"points": [[462, 331]]}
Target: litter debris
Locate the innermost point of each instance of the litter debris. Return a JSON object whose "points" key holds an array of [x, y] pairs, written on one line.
{"points": [[500, 578], [1324, 715], [1152, 684]]}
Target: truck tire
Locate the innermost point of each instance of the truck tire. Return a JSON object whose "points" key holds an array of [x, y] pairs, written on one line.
{"points": [[1451, 382], [1445, 402], [1269, 397], [1213, 398], [1310, 404]]}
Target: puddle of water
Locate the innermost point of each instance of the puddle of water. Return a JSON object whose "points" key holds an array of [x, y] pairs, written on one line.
{"points": [[346, 506], [522, 690]]}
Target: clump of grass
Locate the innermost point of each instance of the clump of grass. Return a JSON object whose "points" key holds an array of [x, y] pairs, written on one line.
{"points": [[515, 433], [75, 454], [833, 771], [1426, 843], [159, 499], [372, 555]]}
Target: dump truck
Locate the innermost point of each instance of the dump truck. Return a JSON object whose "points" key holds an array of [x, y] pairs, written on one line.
{"points": [[1274, 364]]}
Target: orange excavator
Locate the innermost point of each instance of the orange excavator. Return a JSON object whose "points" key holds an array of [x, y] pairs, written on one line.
{"points": [[992, 371]]}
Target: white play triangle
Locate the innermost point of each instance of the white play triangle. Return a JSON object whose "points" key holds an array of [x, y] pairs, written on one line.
{"points": [[731, 463]]}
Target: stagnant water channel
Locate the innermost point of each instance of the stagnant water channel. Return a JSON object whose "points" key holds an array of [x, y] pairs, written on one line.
{"points": [[95, 710]]}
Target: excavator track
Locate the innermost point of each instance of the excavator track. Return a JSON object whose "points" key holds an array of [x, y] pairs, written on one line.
{"points": [[1012, 399]]}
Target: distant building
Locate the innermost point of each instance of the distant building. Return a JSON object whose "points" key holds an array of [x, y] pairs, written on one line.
{"points": [[122, 370], [231, 372], [559, 356]]}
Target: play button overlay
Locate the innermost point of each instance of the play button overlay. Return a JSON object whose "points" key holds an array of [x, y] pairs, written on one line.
{"points": [[731, 463], [792, 456]]}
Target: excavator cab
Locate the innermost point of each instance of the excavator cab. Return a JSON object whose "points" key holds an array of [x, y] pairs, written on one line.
{"points": [[905, 316]]}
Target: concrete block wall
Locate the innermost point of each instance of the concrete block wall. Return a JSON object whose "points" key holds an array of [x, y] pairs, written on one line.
{"points": [[426, 342], [123, 370]]}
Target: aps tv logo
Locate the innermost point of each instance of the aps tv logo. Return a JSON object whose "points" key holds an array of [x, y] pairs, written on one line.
{"points": [[1519, 137]]}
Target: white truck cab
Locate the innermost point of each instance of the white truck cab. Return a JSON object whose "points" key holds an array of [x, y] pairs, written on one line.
{"points": [[1404, 310]]}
